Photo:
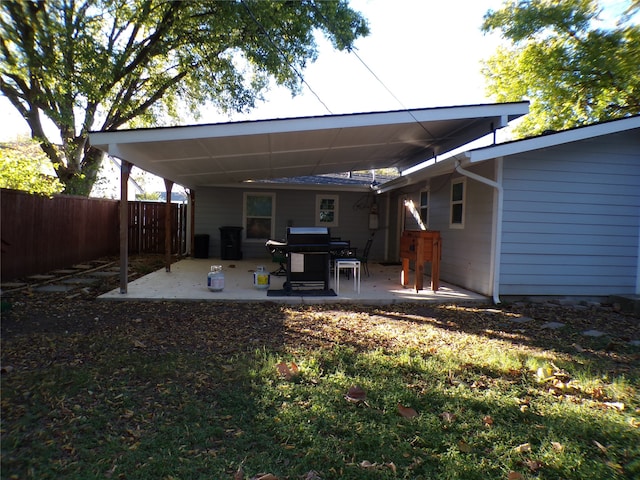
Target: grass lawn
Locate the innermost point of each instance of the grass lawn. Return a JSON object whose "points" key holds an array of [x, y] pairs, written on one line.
{"points": [[218, 391]]}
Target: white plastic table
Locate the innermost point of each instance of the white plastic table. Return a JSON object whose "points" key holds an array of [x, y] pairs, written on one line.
{"points": [[347, 264]]}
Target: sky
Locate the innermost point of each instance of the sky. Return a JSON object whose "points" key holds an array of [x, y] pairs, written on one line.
{"points": [[424, 53], [419, 54]]}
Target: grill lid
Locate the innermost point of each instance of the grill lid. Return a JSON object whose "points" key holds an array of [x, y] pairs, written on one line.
{"points": [[308, 236]]}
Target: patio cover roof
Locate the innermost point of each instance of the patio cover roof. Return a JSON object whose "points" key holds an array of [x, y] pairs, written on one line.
{"points": [[228, 153], [443, 166]]}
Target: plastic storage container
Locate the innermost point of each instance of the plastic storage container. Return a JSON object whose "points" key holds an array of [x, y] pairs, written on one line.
{"points": [[261, 278], [231, 243], [201, 246], [215, 279]]}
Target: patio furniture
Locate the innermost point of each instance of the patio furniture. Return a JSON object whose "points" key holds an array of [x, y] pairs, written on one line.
{"points": [[365, 254], [352, 266], [278, 255], [341, 249], [421, 246]]}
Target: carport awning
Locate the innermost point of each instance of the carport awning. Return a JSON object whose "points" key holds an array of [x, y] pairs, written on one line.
{"points": [[228, 153]]}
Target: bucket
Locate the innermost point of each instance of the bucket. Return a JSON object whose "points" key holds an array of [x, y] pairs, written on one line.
{"points": [[215, 278], [261, 278]]}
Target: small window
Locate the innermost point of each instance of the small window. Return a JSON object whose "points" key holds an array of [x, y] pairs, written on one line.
{"points": [[259, 215], [424, 208], [457, 203], [326, 210]]}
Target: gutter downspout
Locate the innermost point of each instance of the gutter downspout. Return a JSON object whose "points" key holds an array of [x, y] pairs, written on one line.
{"points": [[497, 244]]}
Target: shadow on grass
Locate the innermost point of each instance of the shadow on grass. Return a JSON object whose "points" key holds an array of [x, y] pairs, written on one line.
{"points": [[113, 406], [191, 390], [529, 326]]}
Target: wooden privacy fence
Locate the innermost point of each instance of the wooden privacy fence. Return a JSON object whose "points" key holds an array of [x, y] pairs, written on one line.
{"points": [[147, 227], [41, 234]]}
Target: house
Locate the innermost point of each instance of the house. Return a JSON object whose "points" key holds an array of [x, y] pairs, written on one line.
{"points": [[551, 215]]}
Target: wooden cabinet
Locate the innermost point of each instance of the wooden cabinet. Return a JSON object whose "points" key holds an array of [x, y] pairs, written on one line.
{"points": [[421, 246]]}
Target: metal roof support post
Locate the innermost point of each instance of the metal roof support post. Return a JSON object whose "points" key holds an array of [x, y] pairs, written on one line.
{"points": [[168, 184], [125, 170], [497, 241]]}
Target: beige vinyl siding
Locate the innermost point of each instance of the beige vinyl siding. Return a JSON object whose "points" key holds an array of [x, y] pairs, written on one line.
{"points": [[223, 206], [466, 252]]}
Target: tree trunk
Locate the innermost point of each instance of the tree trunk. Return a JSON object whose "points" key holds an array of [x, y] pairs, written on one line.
{"points": [[81, 182]]}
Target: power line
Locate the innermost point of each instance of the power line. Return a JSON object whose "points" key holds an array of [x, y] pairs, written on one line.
{"points": [[284, 57], [370, 70], [350, 50]]}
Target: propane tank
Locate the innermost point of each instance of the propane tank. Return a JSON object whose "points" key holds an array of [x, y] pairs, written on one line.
{"points": [[215, 278], [261, 278]]}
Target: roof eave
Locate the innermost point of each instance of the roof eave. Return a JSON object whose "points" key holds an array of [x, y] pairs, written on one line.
{"points": [[553, 139], [511, 148]]}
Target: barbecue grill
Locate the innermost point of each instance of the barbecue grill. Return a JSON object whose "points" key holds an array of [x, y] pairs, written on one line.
{"points": [[308, 257]]}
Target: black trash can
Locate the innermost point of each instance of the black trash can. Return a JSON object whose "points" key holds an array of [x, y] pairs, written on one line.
{"points": [[231, 243], [201, 246]]}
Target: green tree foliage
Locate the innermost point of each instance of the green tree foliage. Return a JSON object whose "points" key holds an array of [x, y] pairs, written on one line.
{"points": [[106, 64], [22, 167], [148, 196], [574, 71]]}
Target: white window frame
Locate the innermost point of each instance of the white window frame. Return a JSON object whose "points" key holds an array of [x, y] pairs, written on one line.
{"points": [[461, 202], [272, 217], [422, 208], [320, 221]]}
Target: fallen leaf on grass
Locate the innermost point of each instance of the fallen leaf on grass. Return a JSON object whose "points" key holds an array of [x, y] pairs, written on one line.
{"points": [[615, 466], [312, 475], [544, 373], [138, 344], [356, 394], [464, 447], [487, 420], [557, 446], [367, 465], [264, 476], [406, 412], [598, 393], [602, 448], [288, 371], [514, 372], [514, 476], [524, 448], [448, 417], [534, 465]]}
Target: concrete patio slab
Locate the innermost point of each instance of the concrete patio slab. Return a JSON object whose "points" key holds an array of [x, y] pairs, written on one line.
{"points": [[187, 280]]}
